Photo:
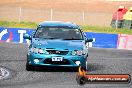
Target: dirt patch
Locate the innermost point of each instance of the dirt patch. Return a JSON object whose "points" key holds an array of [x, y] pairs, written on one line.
{"points": [[95, 12]]}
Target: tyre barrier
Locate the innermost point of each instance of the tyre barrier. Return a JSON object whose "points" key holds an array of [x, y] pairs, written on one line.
{"points": [[127, 24], [117, 23]]}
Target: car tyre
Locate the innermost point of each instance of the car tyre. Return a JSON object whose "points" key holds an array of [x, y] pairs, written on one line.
{"points": [[81, 80], [85, 67], [29, 67]]}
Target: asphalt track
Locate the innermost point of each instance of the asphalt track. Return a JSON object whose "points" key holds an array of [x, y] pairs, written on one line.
{"points": [[101, 61]]}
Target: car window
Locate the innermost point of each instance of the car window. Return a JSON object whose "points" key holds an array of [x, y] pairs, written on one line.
{"points": [[58, 33]]}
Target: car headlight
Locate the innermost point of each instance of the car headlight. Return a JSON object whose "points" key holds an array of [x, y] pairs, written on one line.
{"points": [[37, 50], [78, 52]]}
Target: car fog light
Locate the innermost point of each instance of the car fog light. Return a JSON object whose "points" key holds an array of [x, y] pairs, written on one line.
{"points": [[77, 62], [36, 60]]}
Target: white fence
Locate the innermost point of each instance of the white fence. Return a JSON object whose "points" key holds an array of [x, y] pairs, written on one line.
{"points": [[41, 14]]}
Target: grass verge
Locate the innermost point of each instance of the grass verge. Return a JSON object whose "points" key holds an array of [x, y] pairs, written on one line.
{"points": [[18, 24], [110, 30], [87, 28]]}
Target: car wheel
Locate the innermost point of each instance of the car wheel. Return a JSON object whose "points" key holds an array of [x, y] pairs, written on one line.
{"points": [[81, 80], [29, 67], [85, 67]]}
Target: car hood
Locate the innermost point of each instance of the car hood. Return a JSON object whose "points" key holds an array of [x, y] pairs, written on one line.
{"points": [[58, 44]]}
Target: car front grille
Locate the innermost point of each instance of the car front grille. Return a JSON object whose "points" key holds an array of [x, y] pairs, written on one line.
{"points": [[57, 52], [49, 61]]}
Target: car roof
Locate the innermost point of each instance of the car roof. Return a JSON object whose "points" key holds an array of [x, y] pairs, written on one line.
{"points": [[59, 23]]}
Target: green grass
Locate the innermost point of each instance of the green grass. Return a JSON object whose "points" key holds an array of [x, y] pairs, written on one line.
{"points": [[110, 30], [87, 28], [18, 24]]}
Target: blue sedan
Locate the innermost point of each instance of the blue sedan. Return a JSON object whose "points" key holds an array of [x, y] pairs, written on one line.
{"points": [[56, 43]]}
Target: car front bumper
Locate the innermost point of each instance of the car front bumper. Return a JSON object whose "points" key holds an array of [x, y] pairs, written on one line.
{"points": [[46, 60]]}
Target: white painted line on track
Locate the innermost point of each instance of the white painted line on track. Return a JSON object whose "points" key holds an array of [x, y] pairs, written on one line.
{"points": [[3, 73]]}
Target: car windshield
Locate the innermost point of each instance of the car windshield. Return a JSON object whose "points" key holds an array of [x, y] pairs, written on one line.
{"points": [[58, 33]]}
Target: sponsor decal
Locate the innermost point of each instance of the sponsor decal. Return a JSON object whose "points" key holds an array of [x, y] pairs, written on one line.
{"points": [[5, 32], [83, 78], [14, 35], [22, 32]]}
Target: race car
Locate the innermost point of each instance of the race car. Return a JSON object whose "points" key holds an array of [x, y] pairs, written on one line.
{"points": [[57, 44]]}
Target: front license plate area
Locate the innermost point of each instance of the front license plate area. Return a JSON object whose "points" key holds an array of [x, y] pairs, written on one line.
{"points": [[57, 58]]}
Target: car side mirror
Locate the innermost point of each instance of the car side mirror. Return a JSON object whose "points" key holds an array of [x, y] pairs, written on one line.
{"points": [[89, 40], [26, 36]]}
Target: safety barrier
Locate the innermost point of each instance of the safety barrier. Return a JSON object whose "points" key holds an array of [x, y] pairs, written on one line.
{"points": [[125, 41], [14, 34], [100, 40], [103, 40]]}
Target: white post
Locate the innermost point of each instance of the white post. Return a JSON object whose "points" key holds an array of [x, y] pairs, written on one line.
{"points": [[20, 14], [83, 15], [51, 14], [117, 21]]}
